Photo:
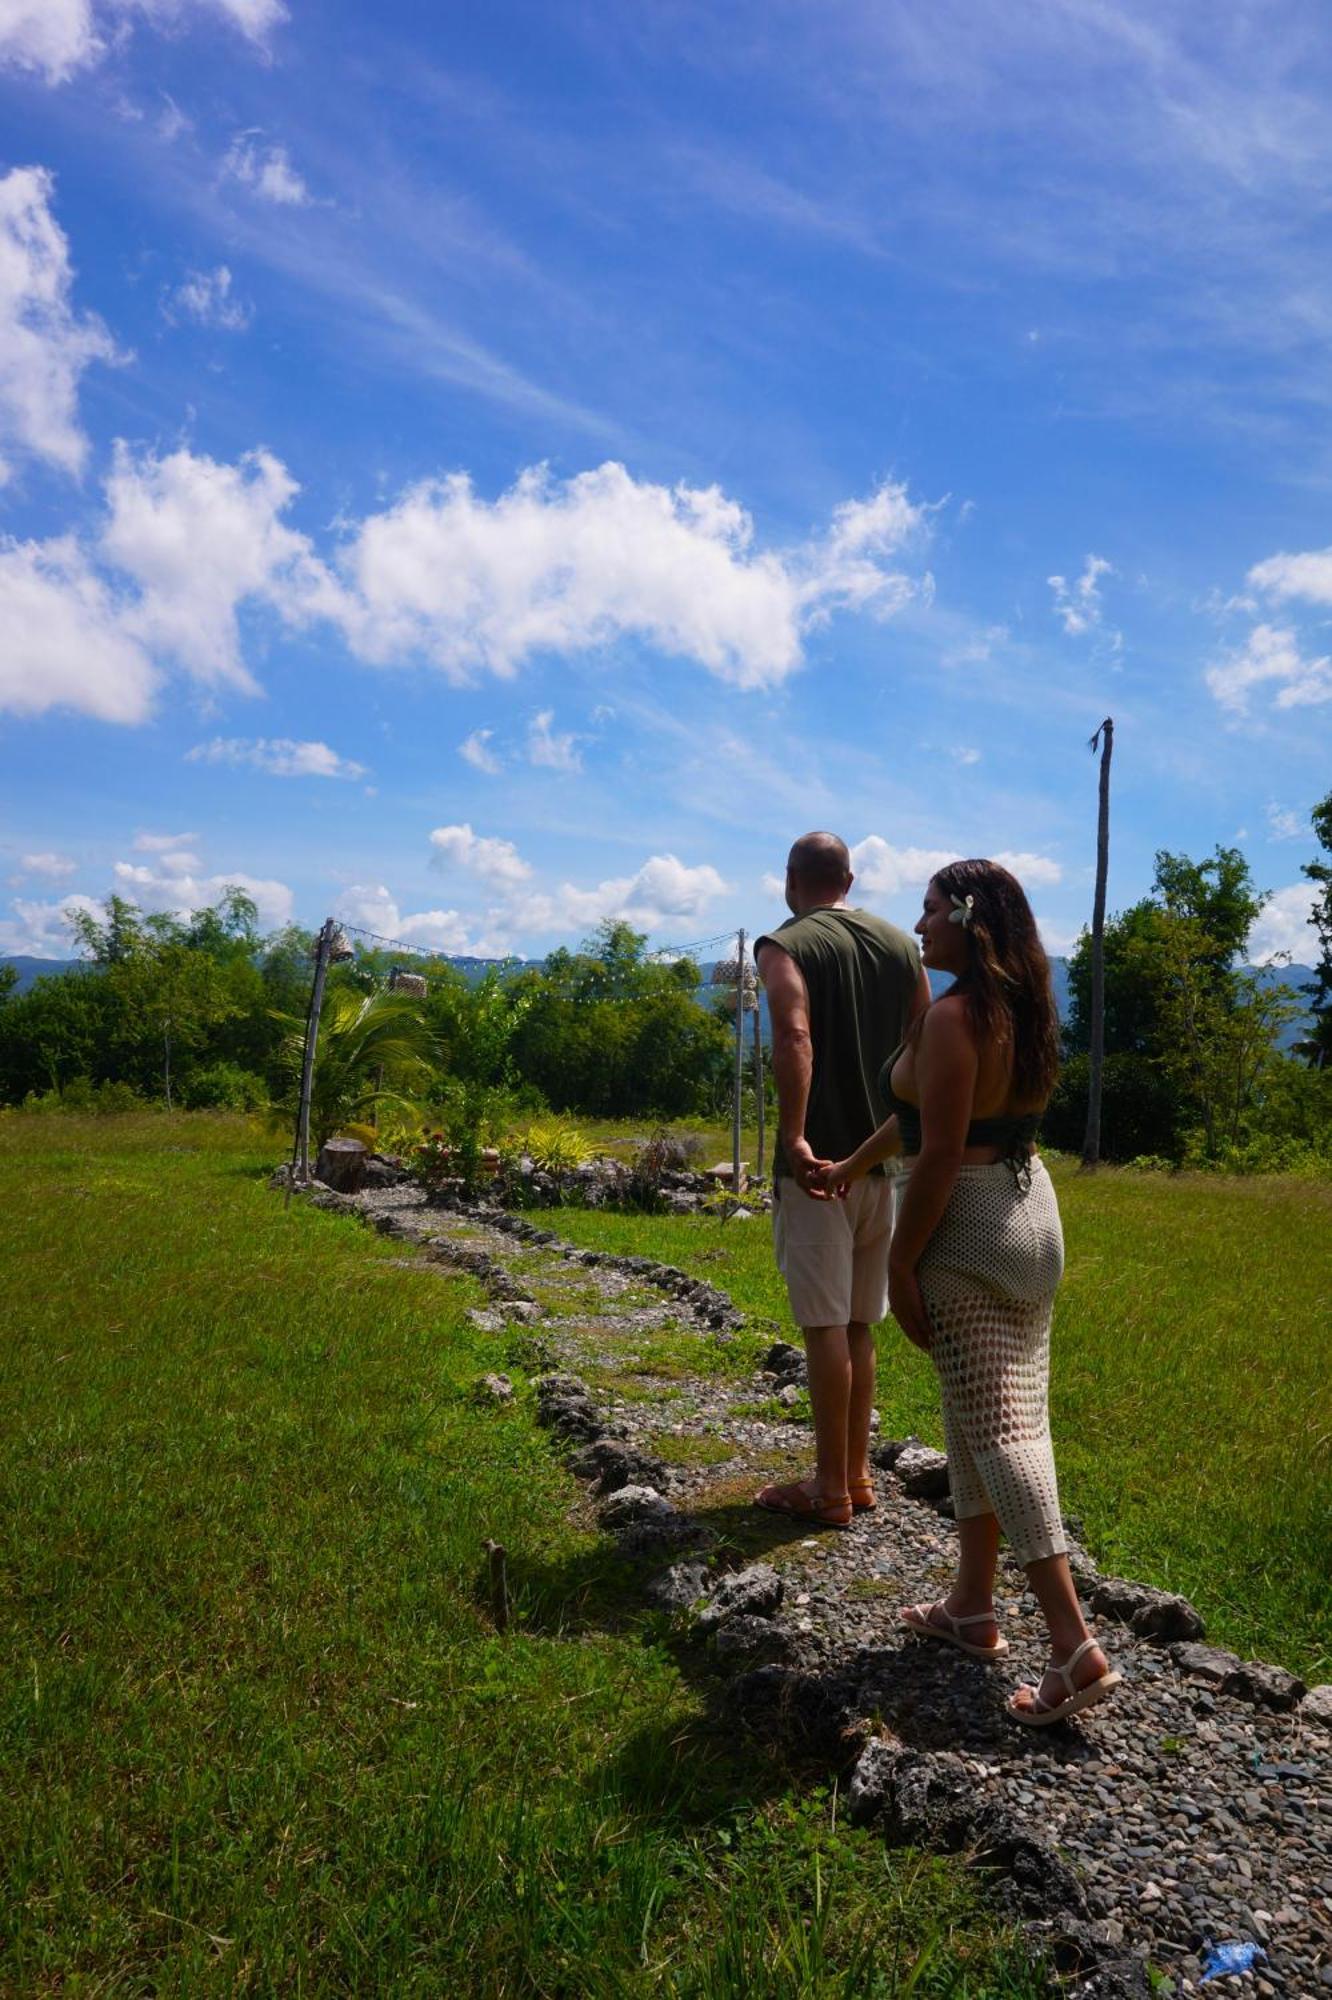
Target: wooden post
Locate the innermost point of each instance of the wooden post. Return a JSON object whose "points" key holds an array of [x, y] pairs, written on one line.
{"points": [[758, 1076], [497, 1560], [739, 1061], [1091, 1143], [300, 1156]]}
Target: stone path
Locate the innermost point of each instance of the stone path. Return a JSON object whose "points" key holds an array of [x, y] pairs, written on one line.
{"points": [[1194, 1809]]}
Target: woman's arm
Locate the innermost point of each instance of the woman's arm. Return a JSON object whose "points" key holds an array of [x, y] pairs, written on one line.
{"points": [[947, 1065], [881, 1145]]}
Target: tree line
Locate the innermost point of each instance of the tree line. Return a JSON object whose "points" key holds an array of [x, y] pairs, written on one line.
{"points": [[205, 1012]]}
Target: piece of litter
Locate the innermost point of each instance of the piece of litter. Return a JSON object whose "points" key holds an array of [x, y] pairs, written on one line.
{"points": [[1220, 1960]]}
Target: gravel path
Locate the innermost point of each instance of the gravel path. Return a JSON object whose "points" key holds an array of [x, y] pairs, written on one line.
{"points": [[1195, 1808]]}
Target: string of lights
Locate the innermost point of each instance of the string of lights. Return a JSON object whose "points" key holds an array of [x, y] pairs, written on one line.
{"points": [[423, 951]]}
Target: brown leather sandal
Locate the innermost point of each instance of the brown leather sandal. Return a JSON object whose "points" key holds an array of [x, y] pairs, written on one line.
{"points": [[863, 1497], [793, 1500]]}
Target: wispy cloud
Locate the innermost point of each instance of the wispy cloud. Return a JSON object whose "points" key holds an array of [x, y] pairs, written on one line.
{"points": [[278, 756], [476, 751], [206, 297], [552, 750], [266, 170]]}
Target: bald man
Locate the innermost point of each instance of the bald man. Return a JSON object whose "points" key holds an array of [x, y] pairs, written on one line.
{"points": [[843, 987]]}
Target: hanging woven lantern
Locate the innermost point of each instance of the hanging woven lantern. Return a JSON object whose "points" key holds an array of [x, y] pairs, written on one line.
{"points": [[340, 947], [413, 983], [724, 978]]}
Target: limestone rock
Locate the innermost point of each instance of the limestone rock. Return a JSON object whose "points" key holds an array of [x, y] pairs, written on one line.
{"points": [[745, 1638], [923, 1473], [870, 1791], [755, 1592], [493, 1389], [615, 1466], [1152, 1614], [1205, 1663], [1317, 1705], [1264, 1686], [677, 1588]]}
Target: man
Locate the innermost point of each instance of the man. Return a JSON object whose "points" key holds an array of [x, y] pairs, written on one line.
{"points": [[843, 988]]}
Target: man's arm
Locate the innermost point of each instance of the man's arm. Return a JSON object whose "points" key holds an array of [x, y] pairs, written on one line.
{"points": [[792, 1056]]}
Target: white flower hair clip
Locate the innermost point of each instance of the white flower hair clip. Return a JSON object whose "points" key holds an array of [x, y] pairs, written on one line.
{"points": [[963, 910]]}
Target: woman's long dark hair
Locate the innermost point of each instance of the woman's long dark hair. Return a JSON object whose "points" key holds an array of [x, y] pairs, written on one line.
{"points": [[1006, 985]]}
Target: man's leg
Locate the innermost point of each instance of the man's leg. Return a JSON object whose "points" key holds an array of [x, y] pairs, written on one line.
{"points": [[860, 1342], [828, 1352]]}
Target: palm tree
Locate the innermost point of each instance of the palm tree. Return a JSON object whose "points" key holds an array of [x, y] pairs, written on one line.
{"points": [[1091, 1144], [374, 1049]]}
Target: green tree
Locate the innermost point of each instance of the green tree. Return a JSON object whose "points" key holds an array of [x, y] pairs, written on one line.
{"points": [[1320, 992]]}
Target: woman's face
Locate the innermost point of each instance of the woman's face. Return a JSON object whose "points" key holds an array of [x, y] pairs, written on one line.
{"points": [[943, 944]]}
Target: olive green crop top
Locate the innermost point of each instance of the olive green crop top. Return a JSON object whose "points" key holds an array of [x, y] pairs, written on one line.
{"points": [[1013, 1130]]}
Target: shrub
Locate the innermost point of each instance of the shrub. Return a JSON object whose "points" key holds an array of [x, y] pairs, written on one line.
{"points": [[555, 1146], [82, 1095], [224, 1086]]}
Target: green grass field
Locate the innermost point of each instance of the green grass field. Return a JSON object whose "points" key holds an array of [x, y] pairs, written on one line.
{"points": [[1191, 1384], [259, 1734]]}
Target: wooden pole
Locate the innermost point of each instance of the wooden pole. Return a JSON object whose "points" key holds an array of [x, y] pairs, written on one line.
{"points": [[739, 1062], [758, 1078], [1091, 1144], [300, 1157]]}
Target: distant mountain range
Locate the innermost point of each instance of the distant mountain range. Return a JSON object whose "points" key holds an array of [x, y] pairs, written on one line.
{"points": [[30, 969]]}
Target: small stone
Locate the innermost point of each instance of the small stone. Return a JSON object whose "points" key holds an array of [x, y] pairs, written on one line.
{"points": [[493, 1389], [790, 1395]]}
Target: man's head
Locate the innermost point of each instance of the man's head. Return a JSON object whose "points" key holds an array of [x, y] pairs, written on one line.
{"points": [[818, 873]]}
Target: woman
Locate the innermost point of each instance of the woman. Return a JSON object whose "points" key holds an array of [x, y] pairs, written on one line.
{"points": [[976, 1256]]}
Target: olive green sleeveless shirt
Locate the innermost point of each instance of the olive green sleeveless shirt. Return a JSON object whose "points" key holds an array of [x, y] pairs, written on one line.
{"points": [[861, 974]]}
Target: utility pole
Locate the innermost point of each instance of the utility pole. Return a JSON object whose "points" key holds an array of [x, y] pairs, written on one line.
{"points": [[739, 1062], [1104, 739], [758, 1076]]}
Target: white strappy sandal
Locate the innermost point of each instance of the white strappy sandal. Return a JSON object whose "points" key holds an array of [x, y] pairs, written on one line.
{"points": [[920, 1618], [1040, 1714]]}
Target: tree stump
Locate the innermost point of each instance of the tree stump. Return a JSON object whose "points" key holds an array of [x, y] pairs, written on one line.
{"points": [[341, 1165]]}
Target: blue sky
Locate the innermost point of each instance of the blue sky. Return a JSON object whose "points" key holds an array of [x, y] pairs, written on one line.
{"points": [[479, 470]]}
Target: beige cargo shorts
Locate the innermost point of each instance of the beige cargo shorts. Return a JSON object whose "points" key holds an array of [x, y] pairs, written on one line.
{"points": [[834, 1254]]}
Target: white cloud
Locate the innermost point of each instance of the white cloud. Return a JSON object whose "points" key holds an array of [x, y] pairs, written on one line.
{"points": [[1079, 606], [279, 756], [962, 753], [571, 566], [774, 885], [371, 907], [57, 38], [56, 867], [161, 843], [1308, 576], [885, 870], [495, 861], [1285, 825], [174, 887], [206, 298], [266, 170], [663, 893], [544, 747], [167, 513], [475, 750], [44, 345], [41, 930], [1271, 653], [1285, 924], [66, 644], [54, 37]]}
